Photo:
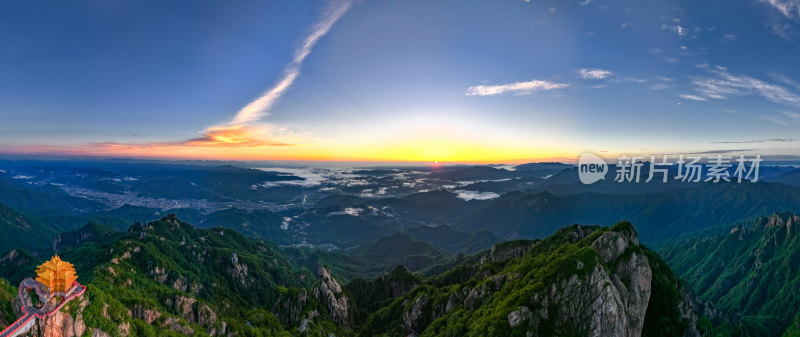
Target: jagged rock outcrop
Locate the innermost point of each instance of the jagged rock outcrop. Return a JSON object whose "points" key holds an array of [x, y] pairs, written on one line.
{"points": [[238, 270], [330, 293], [516, 317], [692, 309], [504, 251], [205, 316], [99, 333], [611, 245], [607, 295], [60, 324], [148, 315], [124, 329], [187, 308], [411, 318], [583, 281], [174, 324], [63, 324]]}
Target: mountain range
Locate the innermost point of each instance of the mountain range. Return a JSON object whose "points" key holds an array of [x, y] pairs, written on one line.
{"points": [[752, 272], [168, 277], [164, 249]]}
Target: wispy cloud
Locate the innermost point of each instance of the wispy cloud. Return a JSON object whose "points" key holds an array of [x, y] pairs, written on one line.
{"points": [[721, 151], [795, 117], [245, 135], [237, 136], [783, 118], [782, 29], [773, 119], [669, 59], [785, 80], [521, 88], [239, 142], [629, 80], [680, 30], [693, 98], [723, 84], [258, 108], [245, 130], [594, 74], [788, 8], [754, 141], [660, 86], [781, 22]]}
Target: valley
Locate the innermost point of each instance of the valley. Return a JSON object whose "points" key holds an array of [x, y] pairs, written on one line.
{"points": [[393, 251]]}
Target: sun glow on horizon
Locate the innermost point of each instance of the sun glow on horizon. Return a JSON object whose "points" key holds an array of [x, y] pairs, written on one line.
{"points": [[437, 151]]}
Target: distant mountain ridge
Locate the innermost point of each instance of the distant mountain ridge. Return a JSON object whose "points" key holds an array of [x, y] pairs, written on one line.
{"points": [[260, 224], [453, 240], [20, 230], [659, 216]]}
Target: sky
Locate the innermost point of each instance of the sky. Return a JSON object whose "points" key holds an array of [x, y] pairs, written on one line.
{"points": [[376, 80]]}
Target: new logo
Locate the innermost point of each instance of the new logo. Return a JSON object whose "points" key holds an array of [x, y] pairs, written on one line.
{"points": [[591, 168]]}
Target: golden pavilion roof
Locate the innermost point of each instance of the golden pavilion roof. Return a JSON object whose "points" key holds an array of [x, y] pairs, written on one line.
{"points": [[56, 274]]}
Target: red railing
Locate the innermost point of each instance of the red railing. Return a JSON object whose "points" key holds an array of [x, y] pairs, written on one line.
{"points": [[27, 318]]}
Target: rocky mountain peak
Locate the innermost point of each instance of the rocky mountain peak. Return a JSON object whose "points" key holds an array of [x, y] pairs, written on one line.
{"points": [[330, 293], [612, 244]]}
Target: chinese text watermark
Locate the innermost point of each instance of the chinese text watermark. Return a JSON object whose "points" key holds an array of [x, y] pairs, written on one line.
{"points": [[592, 168]]}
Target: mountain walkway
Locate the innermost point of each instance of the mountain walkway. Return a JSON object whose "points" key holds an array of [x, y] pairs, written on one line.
{"points": [[31, 312]]}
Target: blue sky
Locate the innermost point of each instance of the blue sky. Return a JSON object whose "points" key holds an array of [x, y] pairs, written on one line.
{"points": [[399, 80]]}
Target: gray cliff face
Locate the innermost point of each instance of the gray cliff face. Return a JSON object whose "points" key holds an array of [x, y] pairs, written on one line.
{"points": [[330, 293], [238, 271], [607, 301], [692, 309], [62, 324], [411, 318], [605, 294]]}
